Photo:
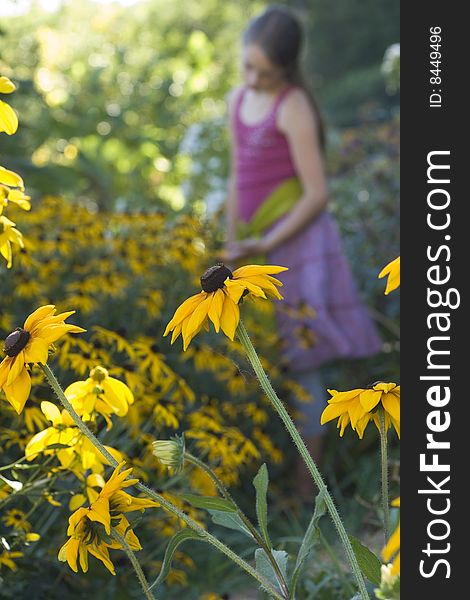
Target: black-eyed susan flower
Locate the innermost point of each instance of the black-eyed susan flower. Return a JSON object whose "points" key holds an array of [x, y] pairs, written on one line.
{"points": [[17, 519], [8, 118], [30, 344], [219, 298], [359, 406], [393, 272], [101, 394], [89, 528]]}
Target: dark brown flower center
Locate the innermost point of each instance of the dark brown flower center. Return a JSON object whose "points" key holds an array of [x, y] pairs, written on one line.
{"points": [[213, 279], [16, 341]]}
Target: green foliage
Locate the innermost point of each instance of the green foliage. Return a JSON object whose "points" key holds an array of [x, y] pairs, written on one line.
{"points": [[261, 482]]}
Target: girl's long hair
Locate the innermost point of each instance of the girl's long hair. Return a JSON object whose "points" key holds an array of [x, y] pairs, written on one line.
{"points": [[278, 32]]}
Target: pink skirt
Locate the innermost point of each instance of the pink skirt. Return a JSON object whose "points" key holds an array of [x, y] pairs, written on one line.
{"points": [[322, 317]]}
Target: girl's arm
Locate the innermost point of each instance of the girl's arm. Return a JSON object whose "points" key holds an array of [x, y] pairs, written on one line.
{"points": [[297, 121]]}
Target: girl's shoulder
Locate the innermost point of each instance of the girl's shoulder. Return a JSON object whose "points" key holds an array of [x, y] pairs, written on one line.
{"points": [[295, 106]]}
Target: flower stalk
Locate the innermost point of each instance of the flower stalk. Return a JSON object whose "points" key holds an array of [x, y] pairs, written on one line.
{"points": [[135, 563], [205, 535], [384, 462], [298, 441]]}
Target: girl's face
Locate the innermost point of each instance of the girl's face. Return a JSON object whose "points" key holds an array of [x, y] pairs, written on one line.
{"points": [[259, 72]]}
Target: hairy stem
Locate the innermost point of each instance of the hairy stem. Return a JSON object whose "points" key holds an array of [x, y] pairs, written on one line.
{"points": [[302, 448], [384, 461], [135, 563]]}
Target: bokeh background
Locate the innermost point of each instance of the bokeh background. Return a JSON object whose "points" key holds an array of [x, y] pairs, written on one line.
{"points": [[123, 148]]}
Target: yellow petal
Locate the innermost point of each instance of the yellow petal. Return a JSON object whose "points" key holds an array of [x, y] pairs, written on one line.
{"points": [[393, 272], [185, 310], [51, 412], [102, 553], [16, 366], [8, 119], [198, 315], [356, 412], [118, 395], [234, 289], [18, 392], [392, 546], [343, 396], [99, 511], [36, 351], [39, 314], [10, 178], [248, 270], [5, 367], [332, 411], [369, 399], [83, 555], [392, 405], [76, 501], [215, 308], [229, 318], [6, 86]]}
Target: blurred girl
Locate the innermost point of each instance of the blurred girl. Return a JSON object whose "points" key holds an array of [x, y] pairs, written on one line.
{"points": [[277, 207]]}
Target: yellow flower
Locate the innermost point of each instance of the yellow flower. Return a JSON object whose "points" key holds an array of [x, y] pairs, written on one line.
{"points": [[393, 272], [218, 301], [75, 452], [90, 528], [30, 344], [101, 394], [392, 548], [8, 118], [9, 235], [84, 538], [17, 519], [359, 406]]}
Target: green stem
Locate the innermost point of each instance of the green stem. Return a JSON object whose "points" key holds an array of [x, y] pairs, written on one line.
{"points": [[298, 441], [249, 525], [384, 461], [135, 563], [154, 495]]}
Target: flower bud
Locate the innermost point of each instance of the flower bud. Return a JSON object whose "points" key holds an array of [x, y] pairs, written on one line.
{"points": [[170, 452]]}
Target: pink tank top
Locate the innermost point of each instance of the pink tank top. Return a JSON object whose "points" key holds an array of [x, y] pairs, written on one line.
{"points": [[262, 157]]}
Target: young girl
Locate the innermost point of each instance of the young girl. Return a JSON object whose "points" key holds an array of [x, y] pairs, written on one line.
{"points": [[278, 191]]}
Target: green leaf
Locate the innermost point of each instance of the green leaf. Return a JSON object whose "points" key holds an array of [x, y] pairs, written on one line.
{"points": [[261, 482], [230, 520], [209, 502], [311, 537], [368, 561], [264, 567], [176, 540]]}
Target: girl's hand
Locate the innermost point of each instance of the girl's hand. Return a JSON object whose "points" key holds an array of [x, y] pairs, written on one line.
{"points": [[238, 250]]}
